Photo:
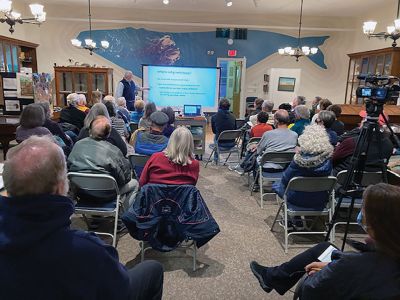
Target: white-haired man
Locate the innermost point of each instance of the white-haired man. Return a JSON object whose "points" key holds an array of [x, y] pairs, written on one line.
{"points": [[41, 257], [128, 89], [71, 114]]}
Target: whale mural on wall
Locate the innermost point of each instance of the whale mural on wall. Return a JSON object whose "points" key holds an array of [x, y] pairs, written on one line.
{"points": [[130, 47]]}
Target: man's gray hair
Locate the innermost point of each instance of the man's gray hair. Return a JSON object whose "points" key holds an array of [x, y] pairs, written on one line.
{"points": [[35, 167], [302, 112], [73, 99], [301, 100], [99, 109], [267, 105], [121, 101], [128, 74]]}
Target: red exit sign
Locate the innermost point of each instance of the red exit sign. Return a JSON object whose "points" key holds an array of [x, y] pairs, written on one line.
{"points": [[232, 53]]}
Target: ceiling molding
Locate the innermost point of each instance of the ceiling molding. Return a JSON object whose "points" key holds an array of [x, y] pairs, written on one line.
{"points": [[208, 25]]}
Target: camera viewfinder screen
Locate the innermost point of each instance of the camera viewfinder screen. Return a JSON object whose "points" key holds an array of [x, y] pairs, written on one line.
{"points": [[366, 92]]}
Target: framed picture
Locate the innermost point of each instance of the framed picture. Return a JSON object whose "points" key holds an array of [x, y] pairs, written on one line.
{"points": [[266, 77], [286, 84]]}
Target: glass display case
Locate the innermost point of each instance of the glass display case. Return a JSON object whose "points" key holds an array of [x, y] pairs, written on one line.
{"points": [[82, 80], [376, 62]]}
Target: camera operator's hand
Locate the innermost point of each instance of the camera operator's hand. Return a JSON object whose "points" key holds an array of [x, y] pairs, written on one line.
{"points": [[315, 267]]}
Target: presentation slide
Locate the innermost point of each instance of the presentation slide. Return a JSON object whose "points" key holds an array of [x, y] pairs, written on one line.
{"points": [[177, 86]]}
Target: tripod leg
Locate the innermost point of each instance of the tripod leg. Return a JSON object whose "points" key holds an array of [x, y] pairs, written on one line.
{"points": [[348, 222]]}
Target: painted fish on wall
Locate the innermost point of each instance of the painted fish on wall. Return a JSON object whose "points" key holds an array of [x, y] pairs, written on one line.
{"points": [[130, 47]]}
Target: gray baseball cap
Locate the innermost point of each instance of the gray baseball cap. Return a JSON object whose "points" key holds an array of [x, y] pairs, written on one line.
{"points": [[159, 118]]}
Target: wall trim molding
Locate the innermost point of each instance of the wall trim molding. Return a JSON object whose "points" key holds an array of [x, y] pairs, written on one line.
{"points": [[206, 25]]}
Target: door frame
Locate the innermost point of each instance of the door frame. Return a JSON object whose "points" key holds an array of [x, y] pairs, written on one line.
{"points": [[242, 83]]}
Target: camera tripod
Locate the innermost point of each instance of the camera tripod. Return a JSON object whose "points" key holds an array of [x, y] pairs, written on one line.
{"points": [[352, 186]]}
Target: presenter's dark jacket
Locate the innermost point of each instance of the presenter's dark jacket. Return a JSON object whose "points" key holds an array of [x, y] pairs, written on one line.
{"points": [[166, 215], [114, 138], [367, 275], [42, 258], [72, 115], [129, 93], [221, 121], [101, 157]]}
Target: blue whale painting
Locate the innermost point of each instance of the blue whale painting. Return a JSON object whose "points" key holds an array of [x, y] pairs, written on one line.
{"points": [[130, 47]]}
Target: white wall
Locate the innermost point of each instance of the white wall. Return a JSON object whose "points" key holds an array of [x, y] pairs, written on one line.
{"points": [[280, 97]]}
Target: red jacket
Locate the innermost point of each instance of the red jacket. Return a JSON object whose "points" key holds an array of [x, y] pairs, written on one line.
{"points": [[259, 129], [159, 169]]}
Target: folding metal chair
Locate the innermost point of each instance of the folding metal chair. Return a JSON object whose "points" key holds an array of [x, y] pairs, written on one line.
{"points": [[280, 158], [311, 185], [102, 186], [133, 126], [227, 135], [138, 161], [368, 178]]}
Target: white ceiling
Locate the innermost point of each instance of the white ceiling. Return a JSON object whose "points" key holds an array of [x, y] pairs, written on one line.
{"points": [[344, 8]]}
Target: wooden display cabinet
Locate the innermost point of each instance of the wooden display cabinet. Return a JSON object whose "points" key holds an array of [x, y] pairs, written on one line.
{"points": [[383, 62], [82, 80]]}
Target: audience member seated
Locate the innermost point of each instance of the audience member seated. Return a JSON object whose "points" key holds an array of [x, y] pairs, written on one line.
{"points": [[39, 249], [145, 121], [267, 107], [286, 106], [323, 105], [71, 114], [153, 140], [315, 105], [326, 119], [122, 111], [313, 159], [223, 120], [31, 123], [99, 109], [97, 97], [262, 126], [137, 114], [344, 151], [95, 154], [82, 104], [372, 273], [116, 122], [55, 128], [337, 126], [280, 139], [298, 100], [302, 119], [169, 128], [176, 164], [108, 98], [257, 108]]}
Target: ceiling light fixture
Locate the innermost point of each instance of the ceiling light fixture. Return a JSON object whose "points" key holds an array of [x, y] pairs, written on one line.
{"points": [[89, 43], [299, 51], [392, 32], [12, 17], [228, 3], [166, 2]]}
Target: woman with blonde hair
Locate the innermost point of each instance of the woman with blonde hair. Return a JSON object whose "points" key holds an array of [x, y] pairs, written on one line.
{"points": [[176, 164]]}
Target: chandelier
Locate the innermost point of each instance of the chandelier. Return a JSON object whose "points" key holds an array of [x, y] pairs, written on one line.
{"points": [[392, 32], [89, 43], [11, 17], [299, 51]]}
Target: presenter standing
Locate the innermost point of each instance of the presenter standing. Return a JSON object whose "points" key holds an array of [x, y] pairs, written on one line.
{"points": [[128, 89]]}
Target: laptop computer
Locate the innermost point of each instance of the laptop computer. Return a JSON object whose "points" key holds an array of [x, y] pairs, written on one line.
{"points": [[192, 110]]}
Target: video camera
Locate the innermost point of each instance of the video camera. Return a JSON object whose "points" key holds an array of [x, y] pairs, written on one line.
{"points": [[379, 88]]}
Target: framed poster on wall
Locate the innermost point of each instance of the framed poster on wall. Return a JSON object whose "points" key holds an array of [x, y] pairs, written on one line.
{"points": [[286, 84]]}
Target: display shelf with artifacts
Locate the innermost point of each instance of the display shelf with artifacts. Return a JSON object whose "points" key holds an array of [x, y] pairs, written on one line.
{"points": [[16, 54], [16, 91], [383, 62], [82, 79]]}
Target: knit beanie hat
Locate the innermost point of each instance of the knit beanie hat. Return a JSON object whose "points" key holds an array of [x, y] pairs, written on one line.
{"points": [[315, 147]]}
